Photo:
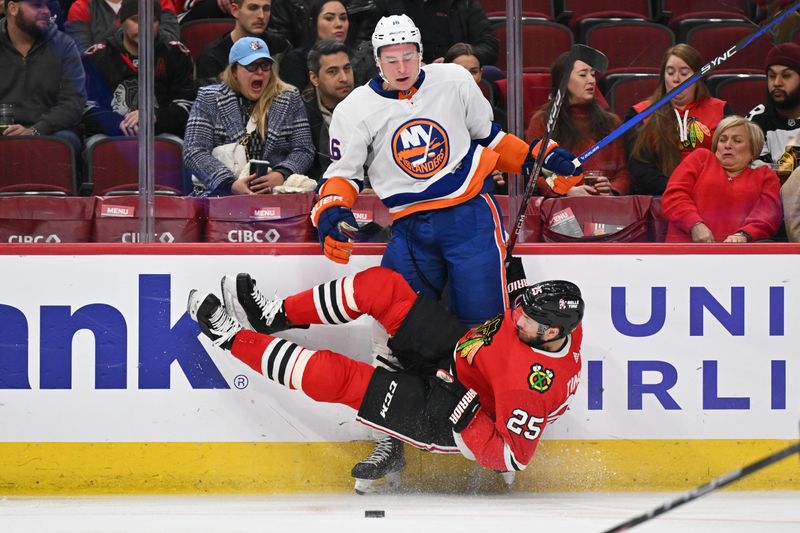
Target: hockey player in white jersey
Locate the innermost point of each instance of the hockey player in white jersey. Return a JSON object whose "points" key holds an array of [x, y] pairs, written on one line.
{"points": [[427, 138]]}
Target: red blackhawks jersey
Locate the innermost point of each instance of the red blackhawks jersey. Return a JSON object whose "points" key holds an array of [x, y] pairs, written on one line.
{"points": [[521, 390]]}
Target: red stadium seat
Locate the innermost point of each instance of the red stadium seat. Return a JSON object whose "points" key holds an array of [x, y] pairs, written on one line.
{"points": [[198, 34], [260, 218], [742, 91], [625, 90], [586, 13], [113, 166], [673, 12], [535, 92], [631, 45], [530, 8], [45, 219], [713, 39], [542, 42], [40, 164], [177, 219]]}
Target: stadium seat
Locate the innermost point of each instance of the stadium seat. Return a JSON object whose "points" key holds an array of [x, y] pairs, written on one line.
{"points": [[535, 92], [583, 14], [530, 8], [713, 39], [266, 218], [625, 90], [631, 45], [45, 219], [177, 219], [113, 166], [672, 12], [197, 34], [36, 165], [742, 91], [542, 42]]}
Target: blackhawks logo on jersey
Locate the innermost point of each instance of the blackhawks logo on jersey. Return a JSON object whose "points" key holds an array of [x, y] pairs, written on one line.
{"points": [[469, 345], [696, 132], [540, 378]]}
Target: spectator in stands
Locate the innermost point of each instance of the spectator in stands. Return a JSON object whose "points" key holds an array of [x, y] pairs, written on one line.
{"points": [[715, 196], [327, 19], [41, 75], [464, 54], [693, 115], [784, 30], [252, 18], [331, 80], [205, 9], [94, 21], [581, 123], [289, 19], [790, 197], [446, 22], [234, 113], [112, 76], [779, 116]]}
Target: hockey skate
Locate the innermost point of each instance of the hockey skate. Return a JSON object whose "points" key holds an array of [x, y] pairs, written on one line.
{"points": [[251, 308], [206, 309], [385, 462]]}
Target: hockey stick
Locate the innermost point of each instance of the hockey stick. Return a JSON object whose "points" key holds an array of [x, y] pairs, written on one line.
{"points": [[599, 62], [714, 484], [705, 69]]}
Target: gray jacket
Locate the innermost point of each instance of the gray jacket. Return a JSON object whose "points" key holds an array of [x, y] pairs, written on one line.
{"points": [[47, 87], [216, 120]]}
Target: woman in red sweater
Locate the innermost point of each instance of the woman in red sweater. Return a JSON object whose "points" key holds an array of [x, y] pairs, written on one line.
{"points": [[715, 196], [581, 123], [676, 129]]}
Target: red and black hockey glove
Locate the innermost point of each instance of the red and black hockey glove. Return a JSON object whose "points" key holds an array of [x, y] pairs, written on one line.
{"points": [[453, 400]]}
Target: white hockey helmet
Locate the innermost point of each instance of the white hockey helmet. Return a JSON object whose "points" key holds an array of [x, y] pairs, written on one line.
{"points": [[395, 29]]}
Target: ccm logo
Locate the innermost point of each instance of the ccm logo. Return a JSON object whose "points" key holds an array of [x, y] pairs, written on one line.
{"points": [[387, 400]]}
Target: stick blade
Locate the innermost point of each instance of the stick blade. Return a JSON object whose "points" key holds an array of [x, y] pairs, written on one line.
{"points": [[591, 56]]}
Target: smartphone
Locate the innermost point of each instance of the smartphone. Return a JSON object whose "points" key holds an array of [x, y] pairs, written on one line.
{"points": [[259, 167]]}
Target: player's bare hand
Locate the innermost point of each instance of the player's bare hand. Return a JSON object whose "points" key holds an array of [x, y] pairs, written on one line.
{"points": [[498, 177]]}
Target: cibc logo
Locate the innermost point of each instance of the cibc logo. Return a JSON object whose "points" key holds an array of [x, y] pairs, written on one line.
{"points": [[162, 345], [133, 236], [249, 235], [34, 238]]}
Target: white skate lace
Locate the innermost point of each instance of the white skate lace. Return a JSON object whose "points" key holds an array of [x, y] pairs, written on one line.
{"points": [[383, 451], [269, 308], [223, 325]]}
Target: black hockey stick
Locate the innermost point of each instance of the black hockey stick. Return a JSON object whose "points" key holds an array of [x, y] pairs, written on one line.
{"points": [[714, 484], [705, 69], [599, 62]]}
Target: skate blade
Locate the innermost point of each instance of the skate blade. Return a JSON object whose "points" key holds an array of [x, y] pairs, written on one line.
{"points": [[385, 485]]}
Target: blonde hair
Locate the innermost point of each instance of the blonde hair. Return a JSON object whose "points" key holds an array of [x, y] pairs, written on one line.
{"points": [[754, 133], [275, 86]]}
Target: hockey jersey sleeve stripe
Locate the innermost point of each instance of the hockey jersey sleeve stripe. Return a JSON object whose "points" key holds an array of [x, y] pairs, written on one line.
{"points": [[341, 186], [440, 195], [494, 137], [513, 152]]}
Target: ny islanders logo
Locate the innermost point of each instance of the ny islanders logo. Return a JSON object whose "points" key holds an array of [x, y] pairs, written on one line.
{"points": [[421, 148]]}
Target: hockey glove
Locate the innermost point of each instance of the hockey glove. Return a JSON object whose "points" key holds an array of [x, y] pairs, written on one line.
{"points": [[562, 184], [327, 215], [454, 400], [556, 159]]}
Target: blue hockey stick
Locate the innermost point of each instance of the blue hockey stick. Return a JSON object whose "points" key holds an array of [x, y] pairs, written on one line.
{"points": [[714, 63]]}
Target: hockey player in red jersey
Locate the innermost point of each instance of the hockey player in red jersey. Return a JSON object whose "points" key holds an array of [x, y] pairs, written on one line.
{"points": [[486, 392]]}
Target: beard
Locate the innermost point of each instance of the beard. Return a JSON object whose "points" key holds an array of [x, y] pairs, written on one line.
{"points": [[791, 101], [29, 26]]}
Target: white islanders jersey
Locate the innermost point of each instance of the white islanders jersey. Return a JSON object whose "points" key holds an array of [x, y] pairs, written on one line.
{"points": [[427, 151]]}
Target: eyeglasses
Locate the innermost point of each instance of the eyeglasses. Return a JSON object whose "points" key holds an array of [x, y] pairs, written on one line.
{"points": [[265, 66]]}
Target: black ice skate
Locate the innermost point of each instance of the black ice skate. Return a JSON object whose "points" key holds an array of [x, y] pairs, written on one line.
{"points": [[206, 309], [251, 308], [385, 462]]}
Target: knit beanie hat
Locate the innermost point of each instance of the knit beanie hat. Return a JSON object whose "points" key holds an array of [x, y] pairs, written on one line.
{"points": [[786, 54], [130, 8]]}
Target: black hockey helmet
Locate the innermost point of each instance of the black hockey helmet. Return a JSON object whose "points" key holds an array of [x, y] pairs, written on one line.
{"points": [[554, 303]]}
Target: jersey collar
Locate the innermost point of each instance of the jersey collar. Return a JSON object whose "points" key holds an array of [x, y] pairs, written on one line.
{"points": [[376, 84]]}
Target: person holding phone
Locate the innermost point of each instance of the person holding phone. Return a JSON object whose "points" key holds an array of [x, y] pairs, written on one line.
{"points": [[234, 113]]}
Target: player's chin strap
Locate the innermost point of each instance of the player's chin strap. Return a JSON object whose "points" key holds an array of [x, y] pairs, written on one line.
{"points": [[388, 83]]}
